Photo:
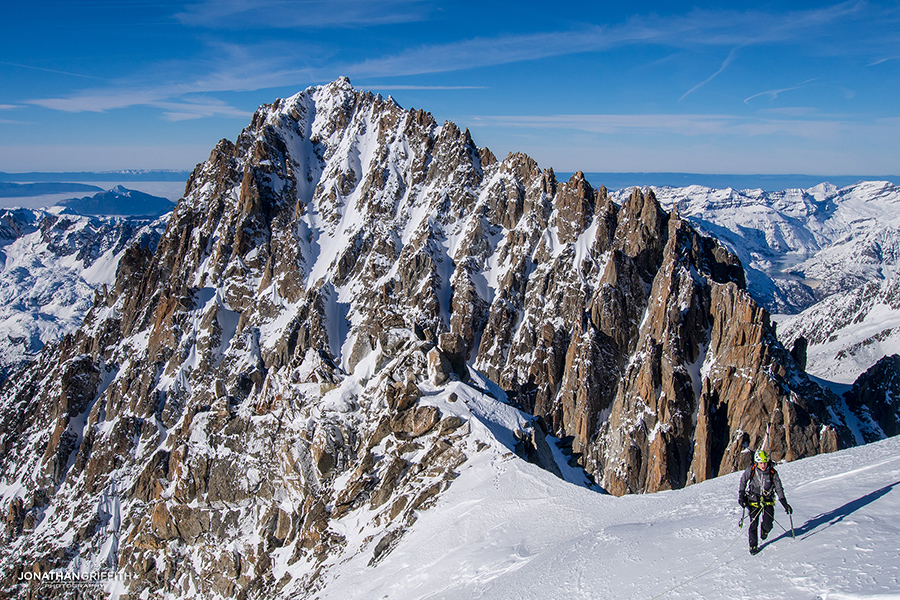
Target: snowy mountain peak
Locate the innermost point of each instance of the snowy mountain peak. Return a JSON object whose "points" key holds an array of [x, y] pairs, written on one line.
{"points": [[351, 306]]}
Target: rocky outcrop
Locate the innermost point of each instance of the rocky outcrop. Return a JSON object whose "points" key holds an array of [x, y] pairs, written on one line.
{"points": [[706, 381], [875, 399]]}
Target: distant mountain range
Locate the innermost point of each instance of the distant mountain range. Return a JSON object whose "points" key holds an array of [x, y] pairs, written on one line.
{"points": [[125, 175], [613, 181], [119, 201], [22, 190], [767, 182]]}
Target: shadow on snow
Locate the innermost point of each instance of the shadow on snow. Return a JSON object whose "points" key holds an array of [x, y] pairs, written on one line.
{"points": [[837, 515]]}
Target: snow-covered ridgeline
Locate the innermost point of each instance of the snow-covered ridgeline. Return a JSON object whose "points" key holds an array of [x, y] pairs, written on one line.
{"points": [[832, 253], [848, 332]]}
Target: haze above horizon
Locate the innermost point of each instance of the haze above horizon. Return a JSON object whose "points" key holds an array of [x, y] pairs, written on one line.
{"points": [[715, 88]]}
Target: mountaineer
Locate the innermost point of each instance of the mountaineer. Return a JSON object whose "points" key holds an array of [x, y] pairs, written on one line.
{"points": [[760, 484]]}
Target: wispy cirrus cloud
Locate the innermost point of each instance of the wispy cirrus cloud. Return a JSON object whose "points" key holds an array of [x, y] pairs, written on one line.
{"points": [[724, 66], [690, 125], [198, 109], [773, 94], [239, 67], [883, 60], [162, 98], [699, 28], [302, 14], [54, 71], [10, 121], [223, 67]]}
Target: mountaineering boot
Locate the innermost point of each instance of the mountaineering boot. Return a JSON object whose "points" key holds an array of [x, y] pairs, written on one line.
{"points": [[754, 550], [764, 534]]}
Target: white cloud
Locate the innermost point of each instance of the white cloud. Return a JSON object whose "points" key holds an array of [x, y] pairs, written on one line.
{"points": [[883, 60], [181, 111], [773, 94], [102, 100], [172, 99]]}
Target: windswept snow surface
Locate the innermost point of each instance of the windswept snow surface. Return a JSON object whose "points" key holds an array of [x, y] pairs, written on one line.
{"points": [[508, 530]]}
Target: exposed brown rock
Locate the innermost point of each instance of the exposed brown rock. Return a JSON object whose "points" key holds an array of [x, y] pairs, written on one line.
{"points": [[402, 395], [416, 422]]}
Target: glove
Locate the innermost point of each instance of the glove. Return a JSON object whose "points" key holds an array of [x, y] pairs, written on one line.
{"points": [[787, 507], [742, 501]]}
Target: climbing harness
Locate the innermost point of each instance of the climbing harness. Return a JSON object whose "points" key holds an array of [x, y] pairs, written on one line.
{"points": [[769, 470]]}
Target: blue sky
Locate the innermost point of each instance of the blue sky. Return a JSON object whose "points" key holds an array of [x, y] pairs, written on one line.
{"points": [[707, 87]]}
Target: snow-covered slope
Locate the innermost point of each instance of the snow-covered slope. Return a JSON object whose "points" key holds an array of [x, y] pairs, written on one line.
{"points": [[848, 332], [50, 266], [507, 529]]}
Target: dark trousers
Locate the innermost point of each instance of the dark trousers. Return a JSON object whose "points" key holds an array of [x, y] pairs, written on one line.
{"points": [[767, 511]]}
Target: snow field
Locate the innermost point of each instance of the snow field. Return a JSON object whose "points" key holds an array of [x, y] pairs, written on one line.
{"points": [[507, 529]]}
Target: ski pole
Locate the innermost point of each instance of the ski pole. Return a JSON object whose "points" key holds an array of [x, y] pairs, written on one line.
{"points": [[780, 525]]}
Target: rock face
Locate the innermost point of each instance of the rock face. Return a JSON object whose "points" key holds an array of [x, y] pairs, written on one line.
{"points": [[875, 400], [283, 360]]}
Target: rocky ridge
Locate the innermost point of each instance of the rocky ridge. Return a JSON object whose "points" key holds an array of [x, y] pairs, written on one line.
{"points": [[297, 369], [875, 400]]}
